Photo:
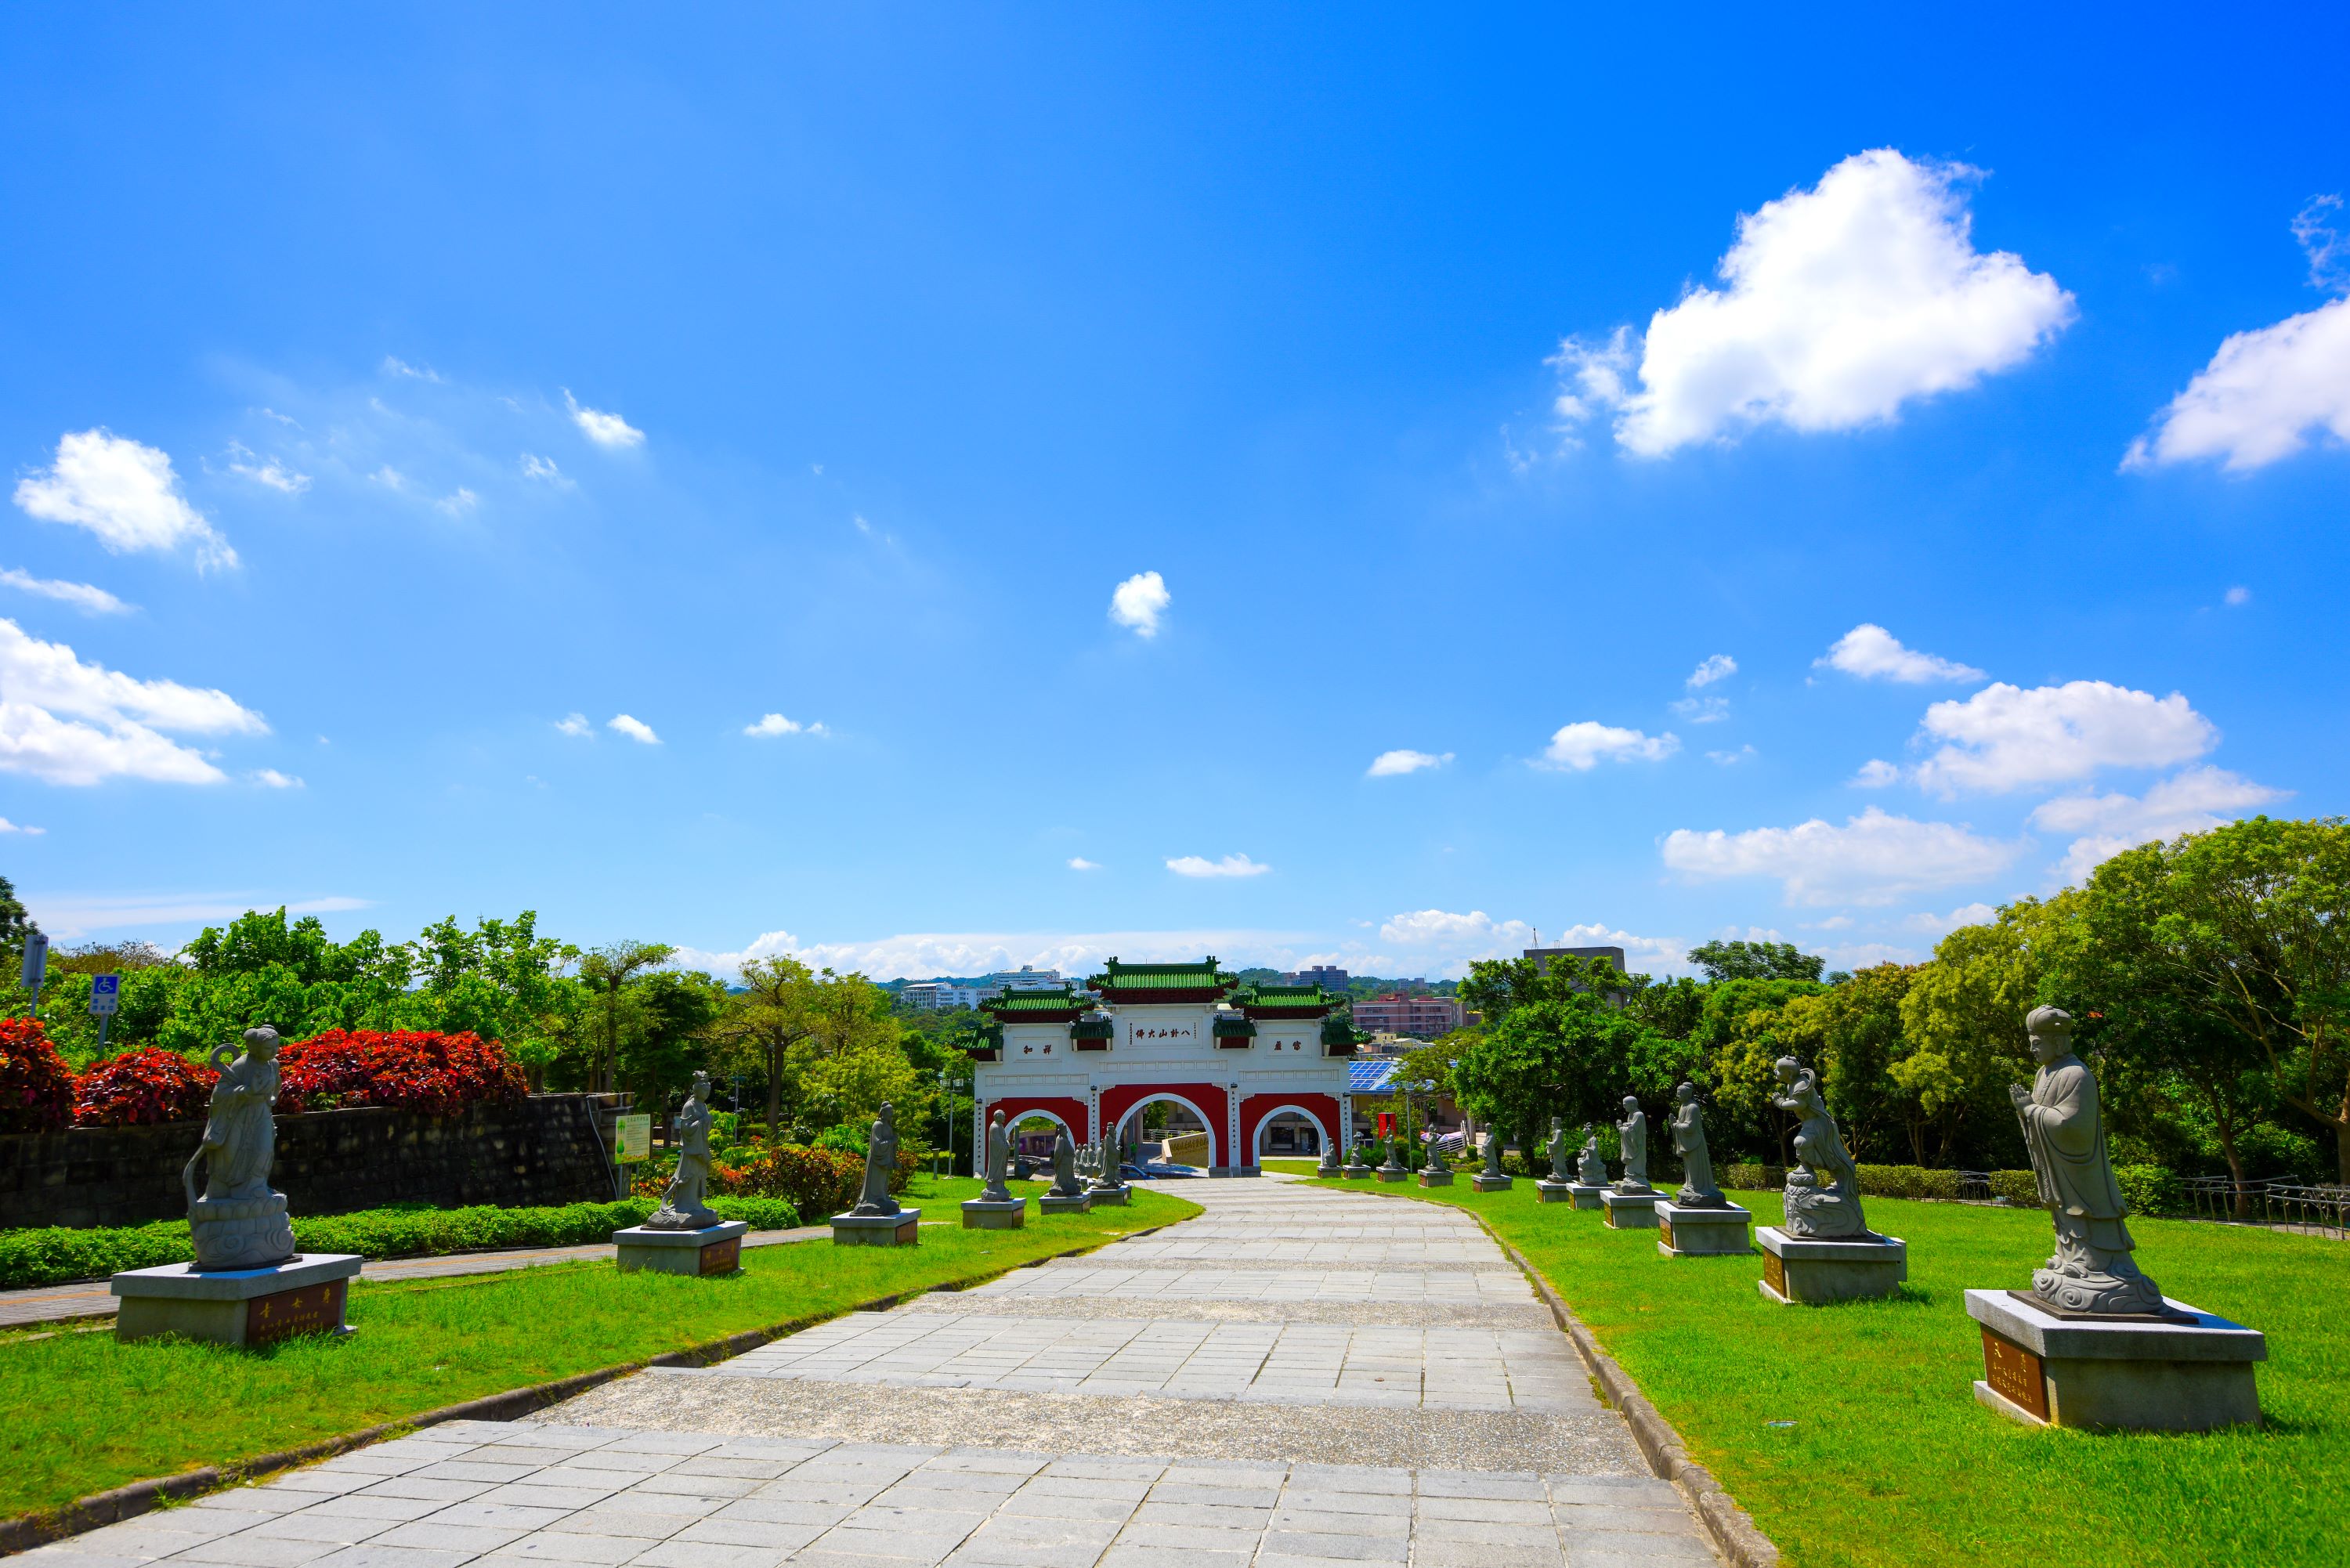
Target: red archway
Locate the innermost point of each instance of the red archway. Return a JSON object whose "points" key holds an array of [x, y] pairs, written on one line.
{"points": [[1255, 1109], [1205, 1099], [1070, 1113]]}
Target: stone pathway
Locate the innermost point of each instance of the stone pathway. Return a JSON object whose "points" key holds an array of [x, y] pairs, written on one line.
{"points": [[1421, 1412]]}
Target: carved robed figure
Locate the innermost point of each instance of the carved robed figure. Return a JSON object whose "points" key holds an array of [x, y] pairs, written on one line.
{"points": [[2063, 1126], [1594, 1169], [999, 1152], [1698, 1189], [1065, 1167], [1632, 1143], [1823, 1192], [237, 1222], [685, 1201], [880, 1159], [1556, 1150]]}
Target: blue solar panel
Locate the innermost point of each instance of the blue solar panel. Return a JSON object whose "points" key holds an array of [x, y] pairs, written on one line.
{"points": [[1370, 1077]]}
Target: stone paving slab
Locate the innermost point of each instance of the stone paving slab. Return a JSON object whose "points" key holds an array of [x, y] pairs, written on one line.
{"points": [[1438, 1314], [1102, 1274]]}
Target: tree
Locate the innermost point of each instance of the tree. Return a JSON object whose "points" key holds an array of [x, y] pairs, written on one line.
{"points": [[15, 925], [768, 1017], [1756, 961], [1852, 1031], [607, 972], [1739, 1034], [1962, 1015]]}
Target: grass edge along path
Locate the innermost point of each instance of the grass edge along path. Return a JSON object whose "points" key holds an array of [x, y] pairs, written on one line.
{"points": [[201, 1445], [1851, 1433]]}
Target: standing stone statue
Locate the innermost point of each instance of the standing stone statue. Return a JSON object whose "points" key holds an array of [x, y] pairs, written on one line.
{"points": [[1594, 1169], [1697, 1189], [1328, 1166], [1065, 1168], [1823, 1193], [239, 1222], [1632, 1135], [685, 1201], [1492, 1152], [1435, 1160], [880, 1159], [999, 1150], [2092, 1270], [1391, 1158], [1556, 1150]]}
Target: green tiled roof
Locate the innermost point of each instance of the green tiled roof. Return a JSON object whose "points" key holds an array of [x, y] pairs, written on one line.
{"points": [[1116, 976], [1259, 995], [1014, 1003]]}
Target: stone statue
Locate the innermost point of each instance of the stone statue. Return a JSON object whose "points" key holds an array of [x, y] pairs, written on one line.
{"points": [[1492, 1152], [1632, 1135], [1435, 1160], [1065, 1168], [238, 1223], [2092, 1270], [1697, 1189], [685, 1201], [1556, 1150], [1328, 1166], [1389, 1158], [1594, 1169], [880, 1159], [1822, 1194], [1108, 1175], [999, 1149]]}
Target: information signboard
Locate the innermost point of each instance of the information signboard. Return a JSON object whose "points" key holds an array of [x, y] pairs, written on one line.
{"points": [[632, 1139]]}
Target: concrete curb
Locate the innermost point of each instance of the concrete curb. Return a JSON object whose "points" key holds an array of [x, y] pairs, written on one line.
{"points": [[27, 1530]]}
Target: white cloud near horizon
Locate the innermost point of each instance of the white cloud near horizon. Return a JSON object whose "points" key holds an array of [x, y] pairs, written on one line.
{"points": [[1139, 602], [607, 430], [1463, 938], [777, 724], [575, 725], [1229, 866], [1936, 927], [2006, 737], [1584, 744], [635, 729], [1394, 765], [2193, 801], [1873, 859], [124, 493], [83, 597], [110, 719], [1873, 653], [1079, 863], [76, 915], [920, 954], [1839, 305]]}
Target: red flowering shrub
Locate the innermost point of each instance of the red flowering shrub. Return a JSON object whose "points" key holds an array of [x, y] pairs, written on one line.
{"points": [[414, 1071], [139, 1089], [819, 1181], [35, 1088]]}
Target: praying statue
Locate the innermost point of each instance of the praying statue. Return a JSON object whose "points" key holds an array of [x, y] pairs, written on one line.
{"points": [[1823, 1193], [685, 1201], [880, 1159], [1492, 1151], [1065, 1168], [1632, 1135], [1556, 1150], [1697, 1189], [1594, 1169], [999, 1150], [2092, 1270], [238, 1223]]}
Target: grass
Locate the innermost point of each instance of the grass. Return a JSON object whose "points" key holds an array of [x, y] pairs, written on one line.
{"points": [[88, 1414], [1884, 1457]]}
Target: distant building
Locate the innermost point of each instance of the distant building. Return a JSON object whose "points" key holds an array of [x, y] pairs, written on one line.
{"points": [[938, 995], [1329, 977], [1424, 1017]]}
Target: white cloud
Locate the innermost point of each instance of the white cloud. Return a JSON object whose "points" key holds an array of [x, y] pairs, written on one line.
{"points": [[2005, 737], [275, 780], [1840, 303], [1229, 866], [8, 826], [80, 595], [2239, 597], [112, 719], [1389, 764], [1940, 926], [603, 430], [1729, 759], [543, 470], [2322, 244], [1876, 774], [921, 953], [636, 729], [125, 493], [1585, 743], [1853, 956], [1873, 859], [575, 725], [1459, 938], [1873, 653], [2193, 801], [1716, 667], [1703, 710], [777, 724], [1079, 863], [390, 478], [1139, 601], [458, 503], [396, 367], [272, 473], [2262, 396], [72, 915]]}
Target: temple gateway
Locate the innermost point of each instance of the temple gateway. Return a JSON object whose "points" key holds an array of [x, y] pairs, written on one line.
{"points": [[1237, 1057]]}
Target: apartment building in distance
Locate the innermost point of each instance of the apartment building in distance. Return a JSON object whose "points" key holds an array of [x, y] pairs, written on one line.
{"points": [[1421, 1017]]}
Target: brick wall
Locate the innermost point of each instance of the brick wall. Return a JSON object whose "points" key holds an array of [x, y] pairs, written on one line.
{"points": [[545, 1150]]}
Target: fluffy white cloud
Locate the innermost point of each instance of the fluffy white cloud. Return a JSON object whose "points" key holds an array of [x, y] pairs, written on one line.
{"points": [[1457, 940], [80, 595], [921, 954], [1584, 744], [125, 493], [605, 429], [110, 719], [543, 470], [1840, 303], [393, 366], [1873, 653], [575, 725], [1139, 601], [8, 826], [272, 471], [1703, 709], [1876, 774], [1731, 759], [2189, 802], [271, 778], [1715, 666], [1873, 859], [777, 724], [1229, 866], [1079, 863], [73, 916], [1940, 926], [2262, 396], [635, 729], [2239, 597], [2006, 737], [1389, 764]]}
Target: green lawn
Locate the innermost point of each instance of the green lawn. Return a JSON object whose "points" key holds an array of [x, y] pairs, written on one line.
{"points": [[87, 1414], [1889, 1460]]}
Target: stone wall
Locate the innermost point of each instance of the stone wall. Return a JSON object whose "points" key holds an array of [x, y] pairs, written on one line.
{"points": [[546, 1149]]}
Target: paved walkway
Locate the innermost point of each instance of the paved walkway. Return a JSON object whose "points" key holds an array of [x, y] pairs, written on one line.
{"points": [[1421, 1412]]}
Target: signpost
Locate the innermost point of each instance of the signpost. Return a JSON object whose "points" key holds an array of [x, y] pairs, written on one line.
{"points": [[36, 965], [104, 999], [632, 1144]]}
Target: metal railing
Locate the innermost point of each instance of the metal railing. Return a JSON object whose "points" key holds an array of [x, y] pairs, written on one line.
{"points": [[2316, 1207]]}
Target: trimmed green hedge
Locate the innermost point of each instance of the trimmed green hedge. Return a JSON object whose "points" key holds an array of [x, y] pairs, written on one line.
{"points": [[56, 1254], [2148, 1188]]}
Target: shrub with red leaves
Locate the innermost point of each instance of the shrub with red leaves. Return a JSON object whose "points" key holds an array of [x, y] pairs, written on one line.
{"points": [[140, 1088], [36, 1088], [414, 1071]]}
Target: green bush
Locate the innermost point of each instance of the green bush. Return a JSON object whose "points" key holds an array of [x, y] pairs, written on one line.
{"points": [[2017, 1187], [2150, 1190], [1908, 1182], [56, 1254], [1746, 1176]]}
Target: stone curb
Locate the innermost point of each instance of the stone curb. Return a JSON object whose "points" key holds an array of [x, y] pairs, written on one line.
{"points": [[27, 1530]]}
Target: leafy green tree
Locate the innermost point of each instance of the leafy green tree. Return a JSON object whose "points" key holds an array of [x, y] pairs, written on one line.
{"points": [[15, 925], [1739, 1034], [667, 1018], [607, 972], [1962, 1016], [1756, 961], [1853, 1033], [766, 1018]]}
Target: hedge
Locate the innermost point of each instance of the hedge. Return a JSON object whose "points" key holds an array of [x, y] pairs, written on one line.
{"points": [[2146, 1189], [56, 1254]]}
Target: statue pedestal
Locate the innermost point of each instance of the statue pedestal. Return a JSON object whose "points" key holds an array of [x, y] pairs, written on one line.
{"points": [[1392, 1173], [1586, 1194], [1803, 1270], [1065, 1203], [903, 1229], [1629, 1211], [1704, 1232], [1116, 1197], [1554, 1191], [2122, 1374], [1484, 1183], [1435, 1179], [716, 1249], [304, 1295], [994, 1214], [1355, 1171]]}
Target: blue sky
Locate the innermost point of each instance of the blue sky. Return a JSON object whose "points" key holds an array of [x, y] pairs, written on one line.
{"points": [[1738, 480]]}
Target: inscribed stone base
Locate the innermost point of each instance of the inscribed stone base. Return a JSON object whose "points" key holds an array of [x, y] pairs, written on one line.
{"points": [[1629, 1211], [1800, 1271], [1585, 1197], [1075, 1203], [903, 1229], [304, 1295], [1484, 1183], [1704, 1232], [1553, 1192], [1116, 1197], [716, 1249], [2046, 1370], [980, 1214], [1356, 1173], [1435, 1179], [1393, 1176]]}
